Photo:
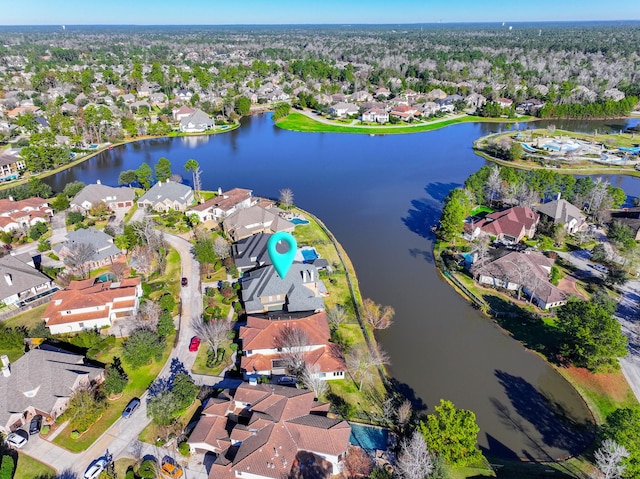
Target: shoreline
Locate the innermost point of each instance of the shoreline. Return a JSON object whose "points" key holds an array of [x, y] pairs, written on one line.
{"points": [[45, 174]]}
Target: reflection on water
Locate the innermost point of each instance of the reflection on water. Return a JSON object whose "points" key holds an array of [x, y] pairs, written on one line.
{"points": [[380, 196]]}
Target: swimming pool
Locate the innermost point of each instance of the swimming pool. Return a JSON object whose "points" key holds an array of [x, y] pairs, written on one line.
{"points": [[369, 437], [299, 221], [104, 277], [557, 146], [309, 254]]}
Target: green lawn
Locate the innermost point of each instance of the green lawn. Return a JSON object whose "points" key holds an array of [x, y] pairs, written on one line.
{"points": [[200, 366], [28, 319], [139, 380], [28, 468], [150, 433], [300, 122]]}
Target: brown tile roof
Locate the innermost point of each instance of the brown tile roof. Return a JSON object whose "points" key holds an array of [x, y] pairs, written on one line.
{"points": [[226, 201], [262, 333], [510, 221]]}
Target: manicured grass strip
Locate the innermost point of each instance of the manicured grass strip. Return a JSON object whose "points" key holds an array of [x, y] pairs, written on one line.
{"points": [[300, 122], [150, 433], [28, 468]]}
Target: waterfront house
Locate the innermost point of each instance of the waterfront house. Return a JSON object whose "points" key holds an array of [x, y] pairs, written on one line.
{"points": [[167, 195], [516, 270], [342, 110], [405, 112], [224, 204], [300, 290], [504, 102], [90, 304], [375, 115], [251, 252], [197, 122], [42, 381], [264, 431], [94, 194], [561, 212], [510, 225], [182, 112], [11, 165], [263, 353], [255, 219]]}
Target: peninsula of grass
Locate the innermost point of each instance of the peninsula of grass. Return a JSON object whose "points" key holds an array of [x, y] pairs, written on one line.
{"points": [[302, 123]]}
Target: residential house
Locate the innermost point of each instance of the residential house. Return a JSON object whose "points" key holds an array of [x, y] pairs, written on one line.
{"points": [[342, 110], [629, 217], [382, 92], [224, 204], [509, 225], [197, 122], [562, 212], [42, 381], [21, 282], [430, 108], [300, 290], [22, 214], [530, 106], [504, 102], [157, 98], [475, 101], [375, 116], [264, 431], [90, 304], [255, 219], [360, 96], [167, 195], [94, 194], [405, 112], [263, 353], [436, 94], [184, 95], [69, 109], [251, 252], [182, 112], [105, 252], [528, 271], [128, 98], [11, 165]]}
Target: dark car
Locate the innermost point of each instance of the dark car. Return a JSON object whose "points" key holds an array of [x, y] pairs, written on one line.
{"points": [[131, 407], [184, 282], [36, 424], [287, 381]]}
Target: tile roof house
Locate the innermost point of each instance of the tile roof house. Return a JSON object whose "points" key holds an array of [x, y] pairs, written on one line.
{"points": [[301, 290], [259, 431], [224, 204], [98, 193], [91, 304], [21, 214], [11, 164], [167, 195], [405, 112], [527, 270], [105, 251], [564, 213], [509, 225], [263, 356], [256, 219], [197, 122], [21, 281], [42, 382], [342, 109]]}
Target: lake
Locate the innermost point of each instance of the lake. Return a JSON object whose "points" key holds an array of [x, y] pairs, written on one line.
{"points": [[380, 195]]}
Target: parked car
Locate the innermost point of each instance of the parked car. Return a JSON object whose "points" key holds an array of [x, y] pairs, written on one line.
{"points": [[194, 344], [171, 468], [17, 438], [131, 407], [36, 424], [602, 269], [96, 468], [184, 281], [287, 380]]}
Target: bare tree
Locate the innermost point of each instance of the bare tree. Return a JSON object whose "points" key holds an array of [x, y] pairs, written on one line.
{"points": [[609, 459], [404, 414], [149, 314], [363, 362], [293, 342], [312, 380], [357, 462], [378, 316], [78, 258], [415, 461], [493, 185], [213, 332], [482, 247], [336, 315], [286, 197], [142, 257], [118, 270], [221, 248]]}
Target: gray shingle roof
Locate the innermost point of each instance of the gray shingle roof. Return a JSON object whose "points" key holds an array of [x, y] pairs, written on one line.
{"points": [[97, 193], [561, 211], [101, 242], [22, 277], [251, 252], [166, 190]]}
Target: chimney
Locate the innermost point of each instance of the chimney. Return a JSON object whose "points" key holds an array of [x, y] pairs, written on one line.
{"points": [[11, 198], [559, 194], [5, 360], [6, 372], [98, 182], [160, 183], [219, 190], [8, 278]]}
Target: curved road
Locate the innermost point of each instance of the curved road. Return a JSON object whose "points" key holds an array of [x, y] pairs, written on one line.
{"points": [[124, 432]]}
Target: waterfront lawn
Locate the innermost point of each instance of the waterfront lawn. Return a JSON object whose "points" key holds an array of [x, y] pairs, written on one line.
{"points": [[139, 380], [28, 468]]}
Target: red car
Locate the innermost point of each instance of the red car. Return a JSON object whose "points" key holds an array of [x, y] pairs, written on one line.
{"points": [[194, 344]]}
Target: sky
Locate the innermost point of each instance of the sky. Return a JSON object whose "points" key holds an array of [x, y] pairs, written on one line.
{"points": [[233, 12]]}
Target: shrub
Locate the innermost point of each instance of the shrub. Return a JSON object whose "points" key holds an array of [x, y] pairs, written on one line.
{"points": [[75, 434], [148, 469], [184, 449], [74, 217], [45, 429], [7, 467]]}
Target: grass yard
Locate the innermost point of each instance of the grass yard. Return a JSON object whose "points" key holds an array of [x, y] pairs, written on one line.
{"points": [[170, 279], [28, 468], [150, 433], [200, 366], [300, 122], [28, 319], [139, 380], [122, 465]]}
